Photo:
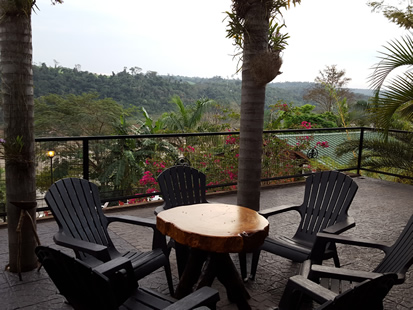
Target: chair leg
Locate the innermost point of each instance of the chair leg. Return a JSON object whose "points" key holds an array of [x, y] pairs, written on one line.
{"points": [[336, 260], [291, 298], [254, 263], [333, 248], [168, 274], [243, 265]]}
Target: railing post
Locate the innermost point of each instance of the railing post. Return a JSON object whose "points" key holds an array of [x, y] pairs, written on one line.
{"points": [[86, 158], [360, 150]]}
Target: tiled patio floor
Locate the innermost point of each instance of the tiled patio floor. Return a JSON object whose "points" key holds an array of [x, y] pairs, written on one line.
{"points": [[380, 209]]}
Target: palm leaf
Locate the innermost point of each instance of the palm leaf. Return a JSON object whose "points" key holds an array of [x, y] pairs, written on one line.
{"points": [[396, 97], [399, 53]]}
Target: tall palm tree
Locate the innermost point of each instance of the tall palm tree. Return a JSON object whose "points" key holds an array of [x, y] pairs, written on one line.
{"points": [[17, 97], [393, 94], [252, 25]]}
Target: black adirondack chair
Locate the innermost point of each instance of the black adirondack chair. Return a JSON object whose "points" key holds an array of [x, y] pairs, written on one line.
{"points": [[76, 206], [111, 285], [398, 258], [327, 198], [366, 295], [181, 185]]}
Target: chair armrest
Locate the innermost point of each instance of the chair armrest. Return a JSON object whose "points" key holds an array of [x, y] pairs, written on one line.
{"points": [[319, 271], [276, 210], [119, 272], [341, 226], [323, 238], [114, 265], [313, 290], [97, 250], [129, 219], [203, 297], [159, 209], [158, 241]]}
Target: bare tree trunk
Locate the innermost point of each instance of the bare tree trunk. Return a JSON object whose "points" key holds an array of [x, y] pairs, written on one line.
{"points": [[252, 105], [17, 97]]}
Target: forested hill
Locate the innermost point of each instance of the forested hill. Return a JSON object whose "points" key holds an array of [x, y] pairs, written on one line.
{"points": [[152, 91]]}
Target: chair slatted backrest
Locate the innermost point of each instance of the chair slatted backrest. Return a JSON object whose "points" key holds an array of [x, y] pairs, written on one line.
{"points": [[182, 185], [327, 198], [83, 287], [368, 294], [76, 206], [400, 256]]}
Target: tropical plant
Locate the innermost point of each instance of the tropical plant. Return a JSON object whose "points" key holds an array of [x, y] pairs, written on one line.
{"points": [[186, 119], [393, 95], [149, 126], [122, 168], [392, 104], [305, 113], [123, 163], [359, 114], [394, 155]]}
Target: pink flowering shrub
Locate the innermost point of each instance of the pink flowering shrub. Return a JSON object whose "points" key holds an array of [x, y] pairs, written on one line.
{"points": [[217, 157], [322, 144], [148, 181]]}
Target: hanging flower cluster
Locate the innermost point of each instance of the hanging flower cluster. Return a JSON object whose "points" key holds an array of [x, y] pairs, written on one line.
{"points": [[322, 144]]}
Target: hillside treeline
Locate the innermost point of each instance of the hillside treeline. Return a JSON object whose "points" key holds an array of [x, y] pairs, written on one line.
{"points": [[131, 88]]}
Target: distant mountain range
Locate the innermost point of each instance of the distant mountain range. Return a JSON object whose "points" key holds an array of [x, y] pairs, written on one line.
{"points": [[365, 92]]}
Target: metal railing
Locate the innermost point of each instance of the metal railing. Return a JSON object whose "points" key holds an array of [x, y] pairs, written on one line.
{"points": [[108, 160]]}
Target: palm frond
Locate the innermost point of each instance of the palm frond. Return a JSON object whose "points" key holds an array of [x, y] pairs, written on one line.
{"points": [[399, 53], [395, 97], [394, 154]]}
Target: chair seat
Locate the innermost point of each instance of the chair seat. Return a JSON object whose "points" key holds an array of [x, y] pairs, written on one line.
{"points": [[287, 247], [144, 262], [146, 299]]}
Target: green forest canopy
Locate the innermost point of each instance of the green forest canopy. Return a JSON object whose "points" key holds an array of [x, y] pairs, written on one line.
{"points": [[130, 88]]}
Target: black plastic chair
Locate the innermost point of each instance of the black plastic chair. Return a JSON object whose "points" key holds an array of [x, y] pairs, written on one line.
{"points": [[181, 185], [111, 285], [328, 196], [366, 295], [76, 206], [398, 257]]}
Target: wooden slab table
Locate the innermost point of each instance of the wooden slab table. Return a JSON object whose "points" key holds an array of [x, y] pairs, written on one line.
{"points": [[212, 231]]}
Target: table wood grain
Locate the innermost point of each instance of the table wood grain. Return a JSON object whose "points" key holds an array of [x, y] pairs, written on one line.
{"points": [[219, 228]]}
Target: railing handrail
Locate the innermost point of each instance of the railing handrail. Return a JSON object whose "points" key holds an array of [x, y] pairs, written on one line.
{"points": [[196, 134], [85, 149]]}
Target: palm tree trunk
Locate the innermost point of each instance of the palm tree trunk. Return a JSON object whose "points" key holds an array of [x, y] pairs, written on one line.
{"points": [[17, 97], [252, 106]]}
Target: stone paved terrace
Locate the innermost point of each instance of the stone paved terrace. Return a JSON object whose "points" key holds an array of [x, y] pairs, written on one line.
{"points": [[380, 209]]}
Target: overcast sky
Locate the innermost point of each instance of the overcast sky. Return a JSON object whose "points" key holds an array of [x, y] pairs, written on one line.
{"points": [[187, 37]]}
